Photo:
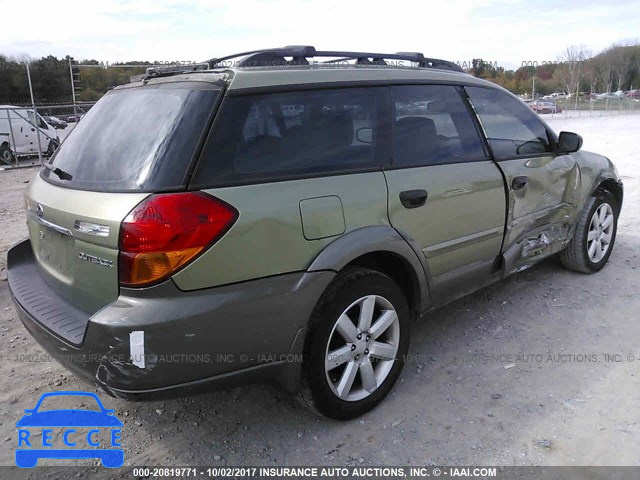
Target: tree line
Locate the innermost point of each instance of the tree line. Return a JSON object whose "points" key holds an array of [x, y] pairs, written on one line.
{"points": [[51, 79], [576, 70]]}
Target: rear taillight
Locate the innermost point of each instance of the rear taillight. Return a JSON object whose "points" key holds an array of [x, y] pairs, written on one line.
{"points": [[165, 232]]}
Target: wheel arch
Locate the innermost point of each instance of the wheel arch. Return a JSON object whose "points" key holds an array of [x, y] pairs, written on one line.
{"points": [[612, 186], [383, 249]]}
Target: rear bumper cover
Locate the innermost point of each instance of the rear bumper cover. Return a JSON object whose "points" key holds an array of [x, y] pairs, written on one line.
{"points": [[164, 341]]}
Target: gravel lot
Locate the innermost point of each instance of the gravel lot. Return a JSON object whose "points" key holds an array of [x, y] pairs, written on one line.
{"points": [[562, 403]]}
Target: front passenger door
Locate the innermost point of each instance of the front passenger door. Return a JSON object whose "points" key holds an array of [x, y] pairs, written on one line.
{"points": [[542, 185]]}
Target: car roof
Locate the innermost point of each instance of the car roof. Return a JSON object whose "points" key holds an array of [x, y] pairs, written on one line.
{"points": [[255, 77]]}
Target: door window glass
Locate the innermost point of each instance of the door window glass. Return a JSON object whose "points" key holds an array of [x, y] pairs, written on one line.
{"points": [[432, 125], [512, 129]]}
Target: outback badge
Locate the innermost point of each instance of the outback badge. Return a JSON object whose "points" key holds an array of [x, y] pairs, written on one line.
{"points": [[93, 259]]}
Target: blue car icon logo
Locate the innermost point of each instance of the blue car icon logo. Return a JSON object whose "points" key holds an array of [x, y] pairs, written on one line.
{"points": [[81, 431]]}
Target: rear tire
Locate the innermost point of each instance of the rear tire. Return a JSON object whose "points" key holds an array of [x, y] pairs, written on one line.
{"points": [[358, 338], [6, 155], [595, 235]]}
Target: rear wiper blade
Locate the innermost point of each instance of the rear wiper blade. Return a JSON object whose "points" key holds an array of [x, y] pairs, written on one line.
{"points": [[62, 175]]}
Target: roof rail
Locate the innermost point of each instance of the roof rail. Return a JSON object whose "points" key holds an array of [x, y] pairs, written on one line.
{"points": [[152, 72], [300, 53]]}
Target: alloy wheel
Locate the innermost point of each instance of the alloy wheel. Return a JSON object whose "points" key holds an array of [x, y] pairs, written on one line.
{"points": [[600, 232], [362, 348]]}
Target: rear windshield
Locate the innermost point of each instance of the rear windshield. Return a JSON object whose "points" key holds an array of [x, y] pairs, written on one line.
{"points": [[137, 139]]}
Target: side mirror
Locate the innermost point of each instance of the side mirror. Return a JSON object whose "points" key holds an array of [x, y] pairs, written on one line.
{"points": [[364, 135], [569, 142]]}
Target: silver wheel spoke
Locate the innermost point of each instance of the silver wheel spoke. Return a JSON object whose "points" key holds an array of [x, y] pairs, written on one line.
{"points": [[592, 249], [346, 381], [592, 234], [366, 314], [607, 221], [382, 350], [602, 213], [337, 357], [606, 238], [384, 322], [368, 376], [346, 328]]}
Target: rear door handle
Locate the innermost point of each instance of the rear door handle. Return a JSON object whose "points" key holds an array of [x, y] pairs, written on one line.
{"points": [[413, 198], [519, 183]]}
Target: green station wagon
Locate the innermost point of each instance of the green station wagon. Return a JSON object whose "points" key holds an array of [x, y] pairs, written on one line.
{"points": [[271, 216]]}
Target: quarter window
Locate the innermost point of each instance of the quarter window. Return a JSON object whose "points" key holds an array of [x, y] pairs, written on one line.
{"points": [[293, 134], [432, 125], [512, 129]]}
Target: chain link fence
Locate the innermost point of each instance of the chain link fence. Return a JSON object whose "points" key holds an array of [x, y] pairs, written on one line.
{"points": [[596, 106], [30, 134]]}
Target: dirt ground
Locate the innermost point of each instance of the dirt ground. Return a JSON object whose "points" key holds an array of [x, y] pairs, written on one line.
{"points": [[460, 399]]}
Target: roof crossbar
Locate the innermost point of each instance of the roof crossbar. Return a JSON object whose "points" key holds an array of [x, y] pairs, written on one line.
{"points": [[300, 53]]}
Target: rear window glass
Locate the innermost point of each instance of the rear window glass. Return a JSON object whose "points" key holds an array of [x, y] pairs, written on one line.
{"points": [[137, 139], [286, 135]]}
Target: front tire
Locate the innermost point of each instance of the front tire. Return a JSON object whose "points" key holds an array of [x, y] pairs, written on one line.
{"points": [[592, 242], [358, 338]]}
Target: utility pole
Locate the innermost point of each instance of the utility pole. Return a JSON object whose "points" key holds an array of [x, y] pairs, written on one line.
{"points": [[533, 90], [73, 86], [35, 114]]}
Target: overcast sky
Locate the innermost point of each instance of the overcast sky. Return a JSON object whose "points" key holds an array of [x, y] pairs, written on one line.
{"points": [[506, 31]]}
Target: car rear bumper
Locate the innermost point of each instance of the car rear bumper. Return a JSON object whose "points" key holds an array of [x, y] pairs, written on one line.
{"points": [[164, 341]]}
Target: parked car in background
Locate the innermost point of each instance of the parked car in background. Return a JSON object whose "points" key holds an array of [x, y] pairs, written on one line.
{"points": [[610, 95], [72, 118], [293, 252], [55, 122], [545, 106], [555, 95], [23, 132], [633, 94], [539, 107]]}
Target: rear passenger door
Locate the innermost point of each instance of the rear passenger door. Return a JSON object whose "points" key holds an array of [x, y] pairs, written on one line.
{"points": [[542, 185], [445, 194]]}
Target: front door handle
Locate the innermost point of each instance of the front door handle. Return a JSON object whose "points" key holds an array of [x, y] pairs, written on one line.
{"points": [[413, 198], [519, 183]]}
